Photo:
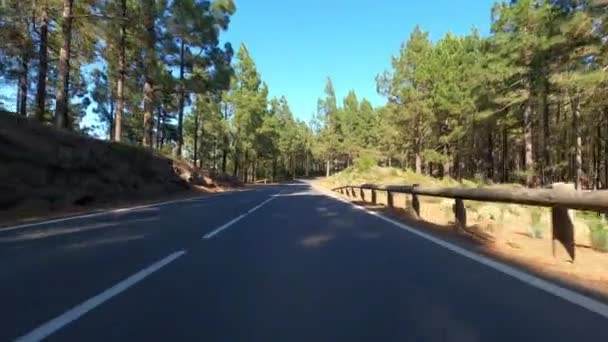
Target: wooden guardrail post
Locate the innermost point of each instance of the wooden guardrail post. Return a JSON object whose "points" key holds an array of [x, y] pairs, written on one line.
{"points": [[562, 199], [389, 199], [461, 214], [563, 230], [416, 204], [562, 222], [413, 203]]}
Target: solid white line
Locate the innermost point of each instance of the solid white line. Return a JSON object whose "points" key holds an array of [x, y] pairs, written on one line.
{"points": [[73, 314], [554, 289], [118, 211], [238, 218]]}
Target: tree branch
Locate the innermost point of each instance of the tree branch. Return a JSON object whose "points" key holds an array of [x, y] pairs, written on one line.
{"points": [[99, 16]]}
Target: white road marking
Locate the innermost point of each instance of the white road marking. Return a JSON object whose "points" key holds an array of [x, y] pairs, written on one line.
{"points": [[118, 211], [76, 312], [238, 218], [554, 289]]}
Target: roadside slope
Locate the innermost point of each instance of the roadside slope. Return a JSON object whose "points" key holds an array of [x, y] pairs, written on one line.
{"points": [[47, 170]]}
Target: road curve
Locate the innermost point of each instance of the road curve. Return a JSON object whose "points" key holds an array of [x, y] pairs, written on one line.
{"points": [[277, 263]]}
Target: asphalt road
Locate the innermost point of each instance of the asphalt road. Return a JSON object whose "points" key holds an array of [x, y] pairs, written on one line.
{"points": [[277, 263]]}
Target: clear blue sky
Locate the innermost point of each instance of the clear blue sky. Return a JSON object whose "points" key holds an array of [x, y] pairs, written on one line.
{"points": [[297, 44]]}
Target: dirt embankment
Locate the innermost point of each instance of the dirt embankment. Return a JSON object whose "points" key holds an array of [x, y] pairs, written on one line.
{"points": [[43, 170]]}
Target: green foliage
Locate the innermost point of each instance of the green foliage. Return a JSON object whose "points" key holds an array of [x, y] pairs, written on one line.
{"points": [[523, 104], [599, 239], [598, 230], [365, 162], [536, 229]]}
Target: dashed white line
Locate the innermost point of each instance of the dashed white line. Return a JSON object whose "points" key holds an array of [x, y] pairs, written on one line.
{"points": [[238, 218], [73, 314]]}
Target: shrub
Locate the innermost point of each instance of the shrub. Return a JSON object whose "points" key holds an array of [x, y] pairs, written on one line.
{"points": [[599, 237], [366, 162], [536, 228]]}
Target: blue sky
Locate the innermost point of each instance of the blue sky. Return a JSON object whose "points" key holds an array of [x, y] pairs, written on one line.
{"points": [[297, 44]]}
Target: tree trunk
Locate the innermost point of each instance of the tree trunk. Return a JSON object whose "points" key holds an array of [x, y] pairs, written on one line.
{"points": [[546, 164], [236, 163], [149, 20], [224, 159], [23, 87], [43, 56], [112, 119], [490, 155], [148, 109], [63, 68], [120, 83], [606, 148], [246, 166], [196, 124], [418, 162], [159, 126], [578, 145], [307, 168], [182, 99], [597, 152], [18, 103], [214, 169], [446, 163], [201, 143], [505, 155], [529, 158], [328, 168]]}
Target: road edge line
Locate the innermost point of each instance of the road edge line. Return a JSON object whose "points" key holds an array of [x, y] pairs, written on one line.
{"points": [[116, 211], [566, 294]]}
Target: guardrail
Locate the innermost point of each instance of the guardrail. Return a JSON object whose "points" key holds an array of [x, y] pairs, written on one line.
{"points": [[560, 198]]}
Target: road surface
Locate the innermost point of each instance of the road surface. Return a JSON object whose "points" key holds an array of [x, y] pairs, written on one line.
{"points": [[276, 263]]}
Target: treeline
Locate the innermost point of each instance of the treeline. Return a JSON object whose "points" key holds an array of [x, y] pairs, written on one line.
{"points": [[133, 62], [242, 132], [527, 104], [150, 73]]}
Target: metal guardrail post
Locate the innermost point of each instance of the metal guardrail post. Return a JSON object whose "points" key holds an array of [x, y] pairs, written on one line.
{"points": [[374, 200], [389, 199]]}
